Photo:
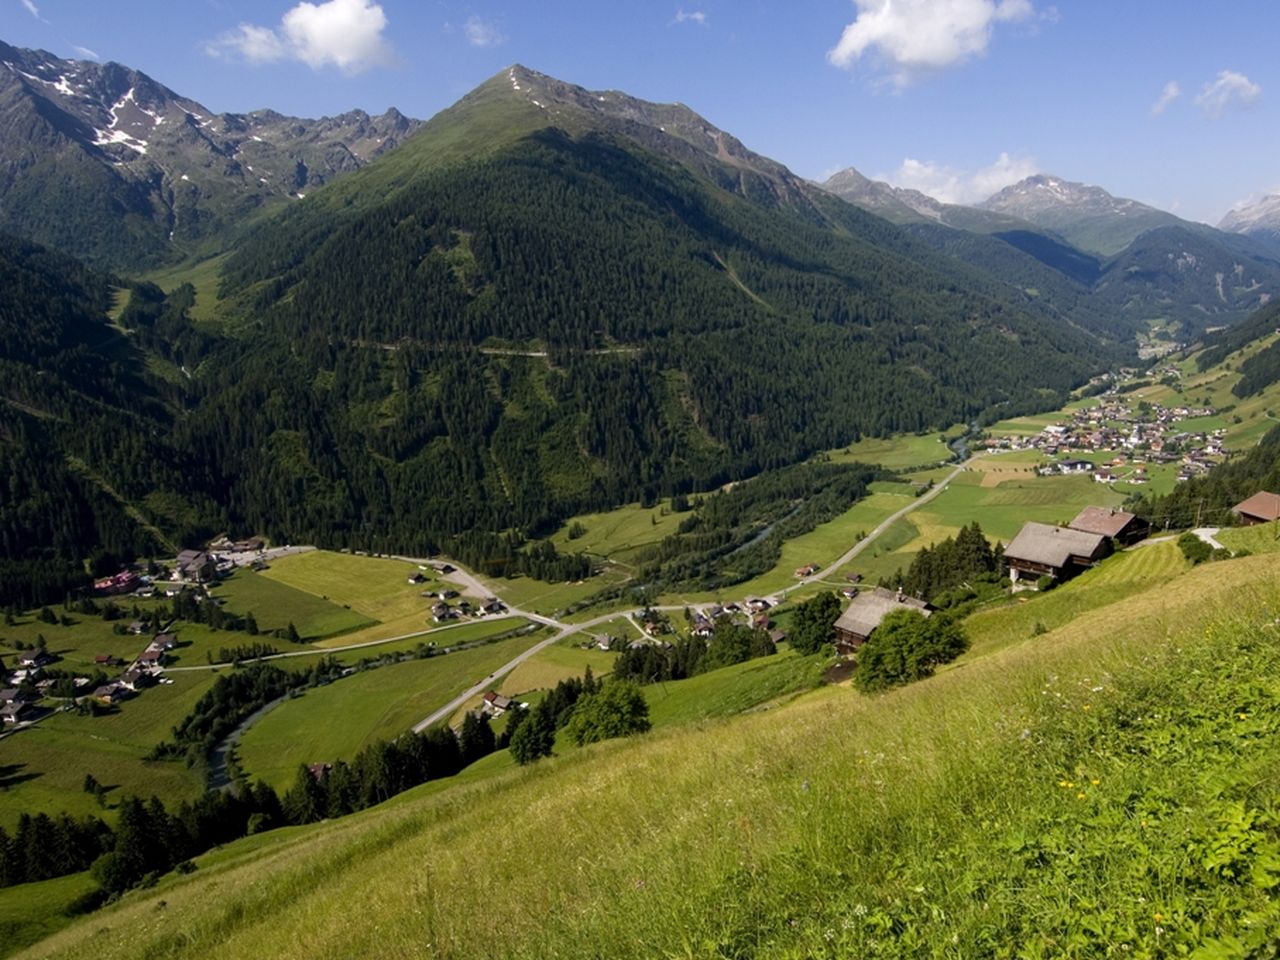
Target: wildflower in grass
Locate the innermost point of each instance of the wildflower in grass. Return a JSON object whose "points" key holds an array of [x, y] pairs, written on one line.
{"points": [[1085, 707], [1079, 796], [1095, 781]]}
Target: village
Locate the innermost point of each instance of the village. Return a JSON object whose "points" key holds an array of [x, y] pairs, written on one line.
{"points": [[37, 687], [1122, 438]]}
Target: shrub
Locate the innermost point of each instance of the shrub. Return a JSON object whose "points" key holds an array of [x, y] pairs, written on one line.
{"points": [[1194, 549], [618, 710], [906, 647]]}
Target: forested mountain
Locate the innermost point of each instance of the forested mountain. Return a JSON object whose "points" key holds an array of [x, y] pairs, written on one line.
{"points": [[704, 319], [101, 161], [76, 406], [549, 300]]}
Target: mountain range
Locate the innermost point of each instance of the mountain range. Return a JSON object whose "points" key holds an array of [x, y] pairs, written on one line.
{"points": [[105, 163], [1259, 219], [543, 300], [1125, 260]]}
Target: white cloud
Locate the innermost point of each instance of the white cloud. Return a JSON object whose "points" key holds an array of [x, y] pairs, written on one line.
{"points": [[693, 16], [1170, 93], [31, 8], [482, 34], [85, 52], [958, 186], [917, 36], [1228, 90], [347, 34]]}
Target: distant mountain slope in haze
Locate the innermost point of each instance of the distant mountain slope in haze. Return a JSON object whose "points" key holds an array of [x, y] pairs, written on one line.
{"points": [[902, 205], [1259, 220], [103, 162], [1087, 216], [1163, 268]]}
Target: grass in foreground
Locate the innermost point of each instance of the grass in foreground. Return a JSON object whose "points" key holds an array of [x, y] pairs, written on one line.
{"points": [[1071, 796]]}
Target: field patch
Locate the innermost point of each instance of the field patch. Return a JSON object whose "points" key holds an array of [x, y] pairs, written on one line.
{"points": [[560, 661], [732, 690], [336, 721], [275, 604], [46, 764], [375, 587]]}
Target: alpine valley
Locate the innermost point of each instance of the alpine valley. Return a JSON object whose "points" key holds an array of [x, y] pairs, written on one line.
{"points": [[417, 457]]}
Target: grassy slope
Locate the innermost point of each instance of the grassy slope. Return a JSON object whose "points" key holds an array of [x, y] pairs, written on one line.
{"points": [[336, 721], [1058, 798], [57, 753]]}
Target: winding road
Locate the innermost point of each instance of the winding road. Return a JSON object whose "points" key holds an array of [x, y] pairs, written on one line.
{"points": [[474, 587], [566, 629]]}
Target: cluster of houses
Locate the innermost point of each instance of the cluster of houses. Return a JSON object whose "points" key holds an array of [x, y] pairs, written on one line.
{"points": [[146, 670], [1134, 436], [19, 703], [1039, 550], [442, 610], [189, 568]]}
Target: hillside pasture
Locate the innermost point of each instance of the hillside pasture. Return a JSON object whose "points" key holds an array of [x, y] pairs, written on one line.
{"points": [[812, 828], [732, 690], [1127, 576], [46, 764]]}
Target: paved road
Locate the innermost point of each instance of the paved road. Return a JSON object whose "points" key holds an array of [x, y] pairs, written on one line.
{"points": [[1209, 535], [884, 525], [565, 629], [312, 651]]}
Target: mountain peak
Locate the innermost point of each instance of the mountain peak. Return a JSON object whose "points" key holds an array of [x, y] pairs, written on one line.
{"points": [[110, 136], [1260, 219], [1086, 215]]}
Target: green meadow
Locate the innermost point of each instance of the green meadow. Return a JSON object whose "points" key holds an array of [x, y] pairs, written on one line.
{"points": [[1001, 495], [46, 764], [560, 661], [336, 721], [275, 604]]}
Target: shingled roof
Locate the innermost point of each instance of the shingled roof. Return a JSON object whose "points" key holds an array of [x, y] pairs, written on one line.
{"points": [[1104, 520], [1262, 506], [1053, 546], [870, 607]]}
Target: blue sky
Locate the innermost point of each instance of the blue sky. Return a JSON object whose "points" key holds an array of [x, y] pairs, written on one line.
{"points": [[955, 97]]}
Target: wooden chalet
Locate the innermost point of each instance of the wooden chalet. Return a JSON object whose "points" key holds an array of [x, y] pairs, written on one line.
{"points": [[16, 695], [195, 566], [866, 612], [495, 704], [1117, 526], [1042, 550], [1262, 507], [18, 712], [151, 658]]}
